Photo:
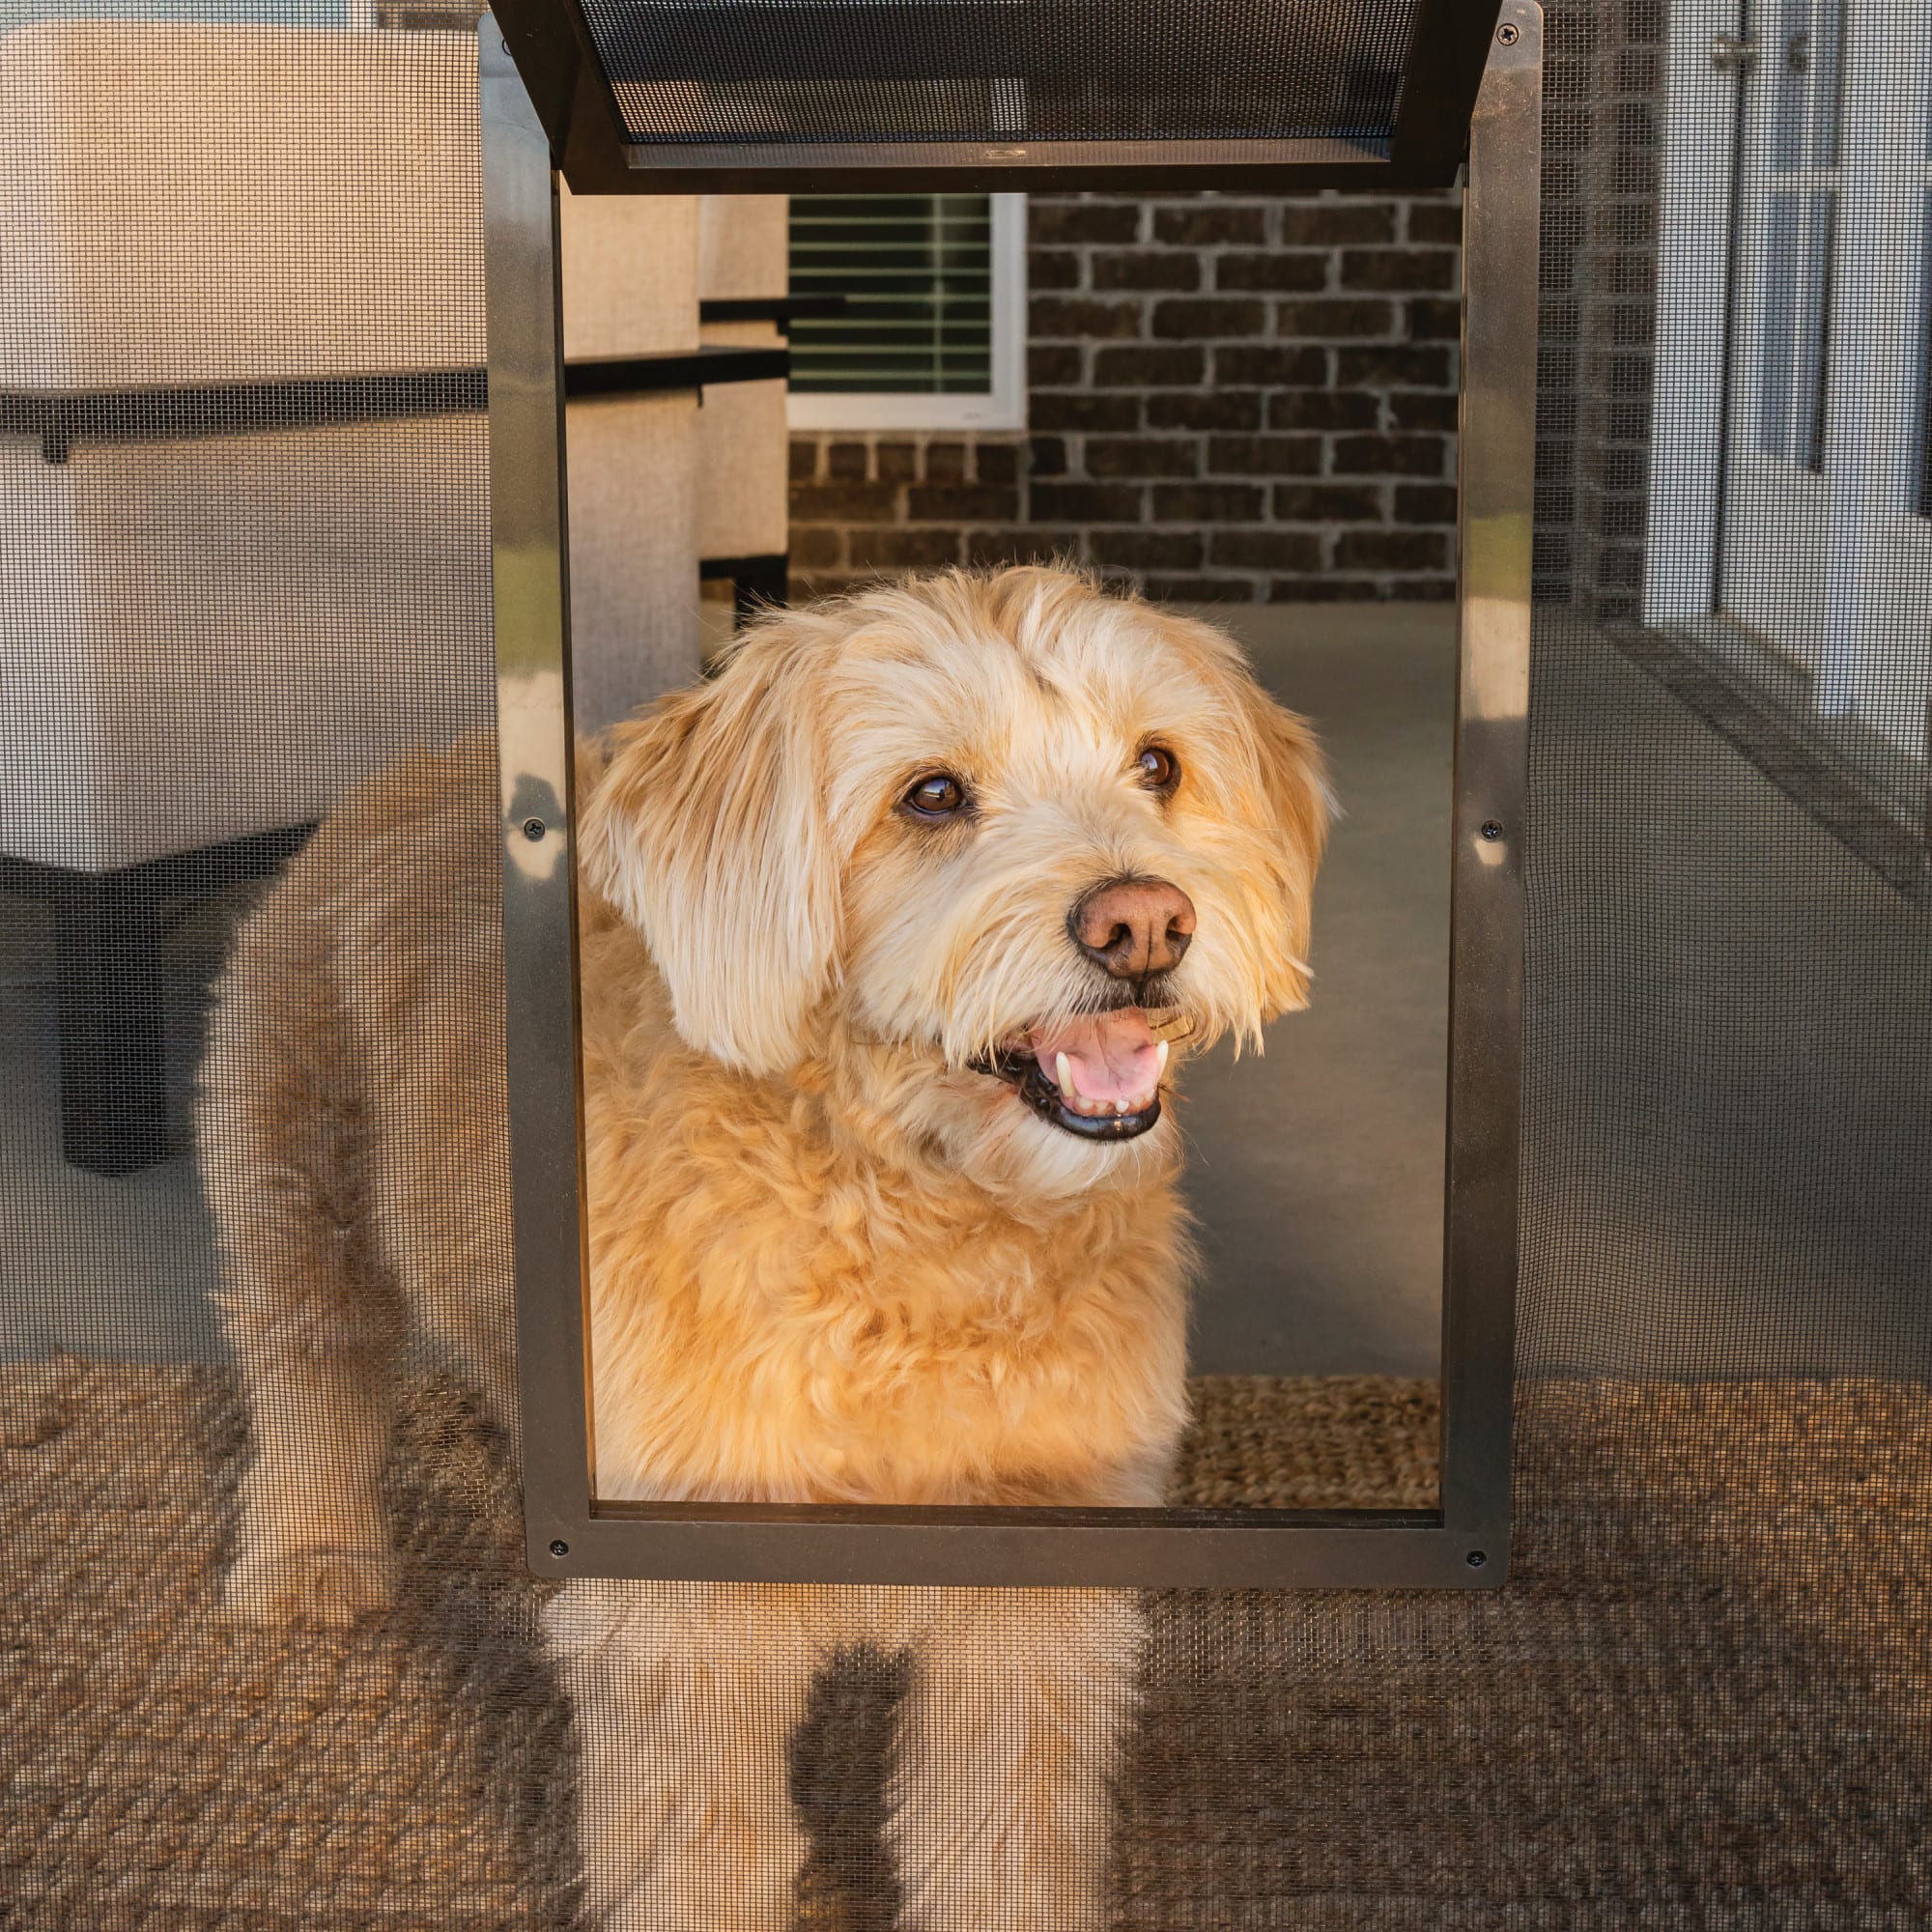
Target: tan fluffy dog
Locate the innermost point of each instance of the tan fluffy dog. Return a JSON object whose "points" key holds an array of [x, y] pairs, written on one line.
{"points": [[882, 931]]}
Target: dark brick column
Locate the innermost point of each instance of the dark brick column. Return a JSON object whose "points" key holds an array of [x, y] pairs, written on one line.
{"points": [[1603, 134]]}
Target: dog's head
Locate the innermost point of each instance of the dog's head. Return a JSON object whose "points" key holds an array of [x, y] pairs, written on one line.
{"points": [[1000, 843]]}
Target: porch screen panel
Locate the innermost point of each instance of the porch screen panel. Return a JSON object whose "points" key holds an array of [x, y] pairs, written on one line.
{"points": [[1725, 1342], [243, 565]]}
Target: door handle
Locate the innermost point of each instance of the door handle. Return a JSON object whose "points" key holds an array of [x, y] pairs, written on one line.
{"points": [[1734, 53]]}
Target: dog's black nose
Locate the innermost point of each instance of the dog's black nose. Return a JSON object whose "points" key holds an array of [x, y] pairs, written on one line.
{"points": [[1133, 928]]}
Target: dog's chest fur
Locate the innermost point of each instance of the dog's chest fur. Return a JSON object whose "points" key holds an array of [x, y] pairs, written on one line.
{"points": [[779, 1316]]}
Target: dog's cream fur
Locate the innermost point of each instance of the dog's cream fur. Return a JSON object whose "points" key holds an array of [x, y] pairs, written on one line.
{"points": [[830, 1259]]}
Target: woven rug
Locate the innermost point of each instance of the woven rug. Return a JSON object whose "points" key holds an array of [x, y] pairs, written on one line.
{"points": [[1703, 1702]]}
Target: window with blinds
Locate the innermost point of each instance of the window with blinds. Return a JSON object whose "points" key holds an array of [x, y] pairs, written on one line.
{"points": [[931, 327]]}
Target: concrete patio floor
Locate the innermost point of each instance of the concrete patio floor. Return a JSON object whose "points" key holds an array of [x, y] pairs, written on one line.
{"points": [[1315, 1170]]}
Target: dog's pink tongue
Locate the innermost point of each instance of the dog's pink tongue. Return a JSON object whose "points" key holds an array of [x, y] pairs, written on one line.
{"points": [[1111, 1055]]}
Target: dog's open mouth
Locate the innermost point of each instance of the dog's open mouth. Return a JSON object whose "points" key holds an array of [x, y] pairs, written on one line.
{"points": [[1098, 1076]]}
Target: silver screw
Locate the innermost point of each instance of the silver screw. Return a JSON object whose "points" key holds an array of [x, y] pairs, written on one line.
{"points": [[1509, 32]]}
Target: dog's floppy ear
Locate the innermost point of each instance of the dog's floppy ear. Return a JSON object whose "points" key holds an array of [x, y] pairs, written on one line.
{"points": [[1294, 775], [1298, 807], [709, 834]]}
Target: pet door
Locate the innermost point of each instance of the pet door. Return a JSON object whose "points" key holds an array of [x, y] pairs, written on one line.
{"points": [[972, 95]]}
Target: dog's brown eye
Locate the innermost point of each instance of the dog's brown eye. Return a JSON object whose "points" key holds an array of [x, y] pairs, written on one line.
{"points": [[936, 797], [1159, 767]]}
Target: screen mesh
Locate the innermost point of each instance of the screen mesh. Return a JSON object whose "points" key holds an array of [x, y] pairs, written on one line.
{"points": [[1001, 70], [1703, 1699]]}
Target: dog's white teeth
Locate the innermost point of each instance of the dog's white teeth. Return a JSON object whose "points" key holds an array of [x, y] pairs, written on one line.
{"points": [[1076, 1102], [1159, 1059]]}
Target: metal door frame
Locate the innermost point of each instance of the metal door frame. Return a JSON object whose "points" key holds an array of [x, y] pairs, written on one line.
{"points": [[1464, 1541]]}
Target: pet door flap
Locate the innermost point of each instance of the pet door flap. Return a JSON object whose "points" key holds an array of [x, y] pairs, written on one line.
{"points": [[702, 839]]}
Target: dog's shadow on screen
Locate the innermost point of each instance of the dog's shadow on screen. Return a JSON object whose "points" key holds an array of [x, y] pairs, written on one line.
{"points": [[840, 1762]]}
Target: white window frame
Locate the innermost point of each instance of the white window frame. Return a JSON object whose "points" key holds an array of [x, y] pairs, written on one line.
{"points": [[1003, 407]]}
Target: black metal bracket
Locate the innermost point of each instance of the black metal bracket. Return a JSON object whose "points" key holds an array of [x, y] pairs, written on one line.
{"points": [[693, 369], [757, 583], [59, 421], [784, 310]]}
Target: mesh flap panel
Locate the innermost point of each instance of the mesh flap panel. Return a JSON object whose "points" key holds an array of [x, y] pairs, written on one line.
{"points": [[1001, 70]]}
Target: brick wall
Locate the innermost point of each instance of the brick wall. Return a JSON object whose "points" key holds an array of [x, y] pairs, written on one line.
{"points": [[1604, 76], [1237, 398]]}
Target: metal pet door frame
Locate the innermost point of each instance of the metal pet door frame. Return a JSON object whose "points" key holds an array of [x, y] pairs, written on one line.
{"points": [[1464, 1541]]}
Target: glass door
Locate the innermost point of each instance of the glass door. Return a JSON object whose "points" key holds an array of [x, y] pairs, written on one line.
{"points": [[1825, 547]]}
